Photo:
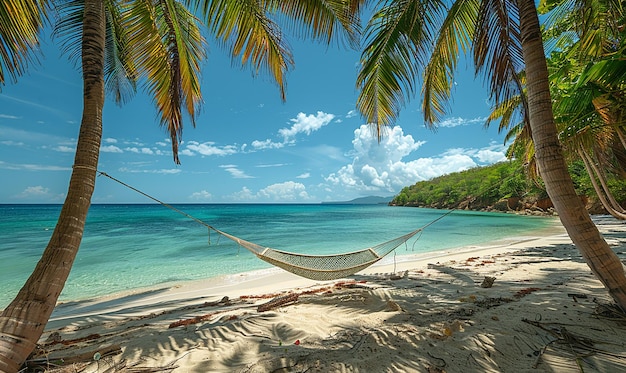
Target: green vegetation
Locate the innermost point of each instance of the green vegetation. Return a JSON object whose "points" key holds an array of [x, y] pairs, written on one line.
{"points": [[501, 186]]}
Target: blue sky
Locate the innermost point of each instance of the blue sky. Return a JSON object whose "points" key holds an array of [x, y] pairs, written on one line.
{"points": [[248, 146]]}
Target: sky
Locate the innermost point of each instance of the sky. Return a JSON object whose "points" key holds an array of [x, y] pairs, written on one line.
{"points": [[248, 145]]}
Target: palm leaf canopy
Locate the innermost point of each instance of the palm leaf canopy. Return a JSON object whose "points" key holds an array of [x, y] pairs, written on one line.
{"points": [[161, 43], [404, 36], [20, 24]]}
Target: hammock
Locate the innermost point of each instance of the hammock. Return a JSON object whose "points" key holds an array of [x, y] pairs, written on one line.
{"points": [[322, 267], [314, 267]]}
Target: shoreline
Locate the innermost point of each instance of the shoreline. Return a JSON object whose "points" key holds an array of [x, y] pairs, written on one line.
{"points": [[543, 312], [262, 280]]}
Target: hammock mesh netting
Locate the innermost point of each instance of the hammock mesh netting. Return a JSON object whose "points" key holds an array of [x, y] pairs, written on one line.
{"points": [[322, 267]]}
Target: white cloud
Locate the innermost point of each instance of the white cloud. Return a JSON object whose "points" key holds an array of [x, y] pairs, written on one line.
{"points": [[381, 167], [305, 175], [31, 167], [458, 121], [287, 191], [209, 148], [110, 140], [35, 191], [352, 113], [267, 144], [244, 195], [271, 165], [302, 123], [39, 192], [64, 149], [6, 116], [111, 149], [235, 172], [202, 195], [492, 154], [166, 171]]}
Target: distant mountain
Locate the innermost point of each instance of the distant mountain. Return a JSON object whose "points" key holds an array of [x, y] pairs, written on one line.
{"points": [[371, 200]]}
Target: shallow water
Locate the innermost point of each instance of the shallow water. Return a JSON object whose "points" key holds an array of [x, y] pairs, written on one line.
{"points": [[136, 246]]}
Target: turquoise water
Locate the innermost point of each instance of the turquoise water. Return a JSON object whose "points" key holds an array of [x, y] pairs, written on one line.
{"points": [[135, 246]]}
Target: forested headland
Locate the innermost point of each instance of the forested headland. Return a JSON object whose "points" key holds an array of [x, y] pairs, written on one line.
{"points": [[503, 186]]}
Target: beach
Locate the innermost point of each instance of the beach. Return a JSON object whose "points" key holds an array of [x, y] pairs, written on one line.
{"points": [[530, 305]]}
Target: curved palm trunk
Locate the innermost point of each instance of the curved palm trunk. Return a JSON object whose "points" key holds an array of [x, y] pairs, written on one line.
{"points": [[601, 175], [600, 191], [552, 167], [23, 321]]}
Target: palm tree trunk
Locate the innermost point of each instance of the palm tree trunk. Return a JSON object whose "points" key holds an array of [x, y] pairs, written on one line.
{"points": [[603, 183], [552, 167], [23, 321], [600, 191]]}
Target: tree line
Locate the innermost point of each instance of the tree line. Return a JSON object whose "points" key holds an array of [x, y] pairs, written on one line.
{"points": [[504, 186]]}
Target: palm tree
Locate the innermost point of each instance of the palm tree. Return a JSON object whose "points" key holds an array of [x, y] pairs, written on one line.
{"points": [[119, 41], [504, 36]]}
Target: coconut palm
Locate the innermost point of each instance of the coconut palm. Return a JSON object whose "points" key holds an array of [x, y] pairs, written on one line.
{"points": [[586, 76], [504, 37], [117, 42]]}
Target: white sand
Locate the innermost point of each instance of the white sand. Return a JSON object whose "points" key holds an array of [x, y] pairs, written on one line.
{"points": [[544, 313]]}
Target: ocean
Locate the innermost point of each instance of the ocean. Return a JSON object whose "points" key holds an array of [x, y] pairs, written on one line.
{"points": [[135, 246]]}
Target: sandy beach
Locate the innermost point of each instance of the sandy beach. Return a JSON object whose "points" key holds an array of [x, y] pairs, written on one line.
{"points": [[530, 305]]}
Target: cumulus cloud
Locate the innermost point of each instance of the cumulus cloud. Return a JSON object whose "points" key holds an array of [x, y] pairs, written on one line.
{"points": [[287, 191], [202, 195], [244, 195], [111, 149], [382, 167], [302, 123], [305, 175]]}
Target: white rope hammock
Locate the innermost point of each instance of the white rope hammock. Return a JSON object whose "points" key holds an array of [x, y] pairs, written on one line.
{"points": [[314, 267]]}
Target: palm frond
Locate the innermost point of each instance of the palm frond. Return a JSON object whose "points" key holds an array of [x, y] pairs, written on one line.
{"points": [[455, 37], [20, 24], [245, 30], [325, 19], [497, 49], [396, 37], [69, 28], [119, 70], [610, 71], [168, 49], [509, 113]]}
